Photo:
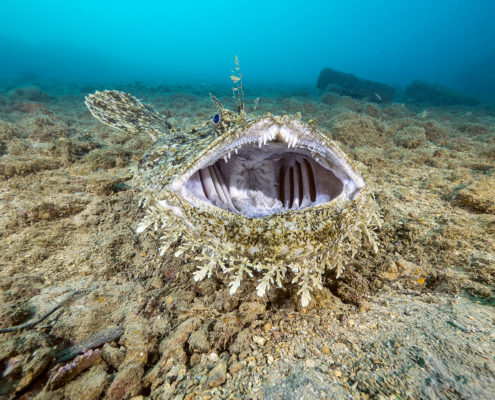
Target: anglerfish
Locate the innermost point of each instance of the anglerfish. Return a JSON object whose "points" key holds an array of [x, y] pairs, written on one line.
{"points": [[264, 196]]}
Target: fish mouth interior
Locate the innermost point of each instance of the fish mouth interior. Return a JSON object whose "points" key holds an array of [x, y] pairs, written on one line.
{"points": [[259, 179]]}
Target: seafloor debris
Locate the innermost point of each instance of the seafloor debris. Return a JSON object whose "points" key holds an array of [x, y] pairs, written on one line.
{"points": [[69, 371], [94, 341], [351, 85]]}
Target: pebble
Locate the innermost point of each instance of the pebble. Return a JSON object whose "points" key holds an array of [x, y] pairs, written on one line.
{"points": [[112, 356], [249, 311], [217, 375], [213, 357], [235, 367], [300, 351], [195, 359], [260, 341], [40, 360], [198, 341], [156, 283], [127, 383], [251, 362], [89, 386]]}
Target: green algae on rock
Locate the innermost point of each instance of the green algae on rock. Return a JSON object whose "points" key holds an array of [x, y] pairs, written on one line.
{"points": [[264, 195]]}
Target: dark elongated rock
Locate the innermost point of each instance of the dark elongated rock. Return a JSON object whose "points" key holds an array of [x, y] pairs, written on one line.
{"points": [[351, 85], [437, 95]]}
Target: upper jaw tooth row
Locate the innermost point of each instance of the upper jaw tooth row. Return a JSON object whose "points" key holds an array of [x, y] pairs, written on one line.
{"points": [[289, 136]]}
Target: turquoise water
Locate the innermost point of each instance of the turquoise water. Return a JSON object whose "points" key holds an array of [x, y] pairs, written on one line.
{"points": [[451, 42]]}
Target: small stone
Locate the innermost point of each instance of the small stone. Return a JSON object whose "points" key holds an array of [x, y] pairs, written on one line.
{"points": [[217, 375], [402, 264], [267, 327], [251, 362], [300, 351], [213, 357], [112, 356], [270, 359], [194, 360], [310, 363], [260, 341], [337, 373], [64, 374], [198, 341], [325, 350], [89, 386], [128, 382], [40, 360], [249, 311], [156, 283], [364, 306], [235, 367], [176, 373]]}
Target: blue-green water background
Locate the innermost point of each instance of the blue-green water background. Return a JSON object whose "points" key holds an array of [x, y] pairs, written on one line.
{"points": [[451, 42]]}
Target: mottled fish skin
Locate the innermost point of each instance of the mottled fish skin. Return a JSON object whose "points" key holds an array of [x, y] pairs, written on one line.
{"points": [[295, 246], [126, 113]]}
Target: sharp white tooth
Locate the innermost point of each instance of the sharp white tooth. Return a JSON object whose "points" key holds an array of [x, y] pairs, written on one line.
{"points": [[283, 133], [225, 158], [229, 155], [236, 149], [272, 131]]}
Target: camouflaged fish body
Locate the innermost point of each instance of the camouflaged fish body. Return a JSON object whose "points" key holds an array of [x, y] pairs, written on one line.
{"points": [[266, 196]]}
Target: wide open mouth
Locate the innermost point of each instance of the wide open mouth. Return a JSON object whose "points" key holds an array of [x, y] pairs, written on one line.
{"points": [[256, 177]]}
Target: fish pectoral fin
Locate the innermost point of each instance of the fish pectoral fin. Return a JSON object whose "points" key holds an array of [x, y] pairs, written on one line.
{"points": [[124, 112]]}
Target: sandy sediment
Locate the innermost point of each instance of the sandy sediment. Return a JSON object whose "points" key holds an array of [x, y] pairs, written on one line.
{"points": [[414, 321]]}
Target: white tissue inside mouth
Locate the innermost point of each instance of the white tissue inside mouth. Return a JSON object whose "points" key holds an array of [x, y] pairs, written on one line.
{"points": [[266, 179]]}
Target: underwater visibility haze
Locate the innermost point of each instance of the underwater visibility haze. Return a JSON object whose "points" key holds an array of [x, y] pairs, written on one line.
{"points": [[444, 41], [263, 199]]}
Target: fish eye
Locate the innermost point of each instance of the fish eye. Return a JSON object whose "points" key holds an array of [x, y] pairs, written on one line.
{"points": [[216, 118]]}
